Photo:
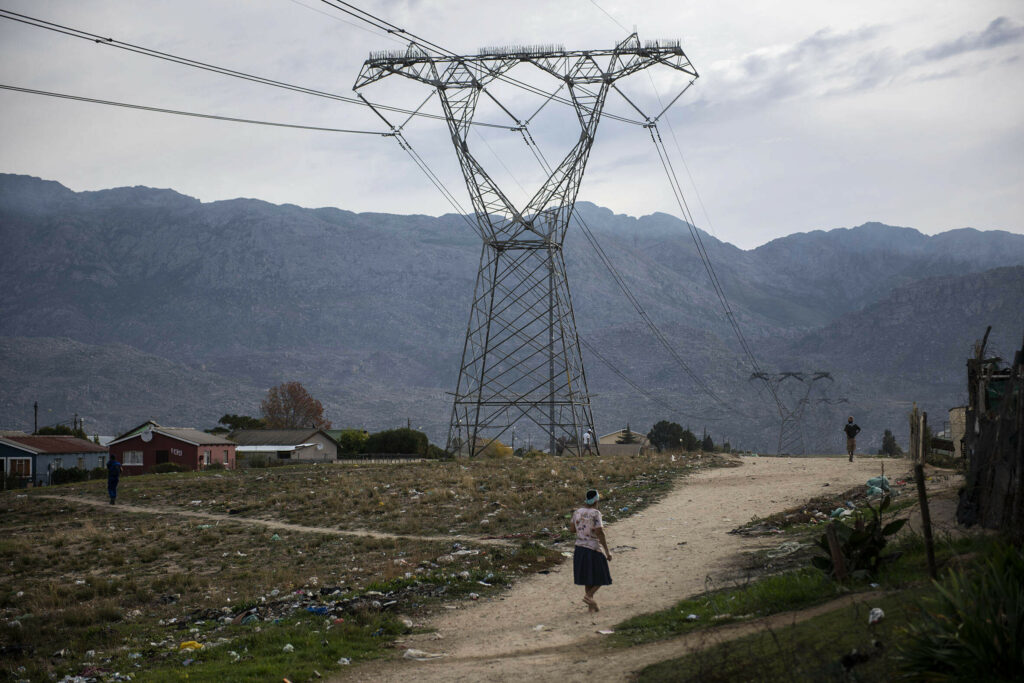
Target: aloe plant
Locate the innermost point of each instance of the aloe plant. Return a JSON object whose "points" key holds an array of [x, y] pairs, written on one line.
{"points": [[861, 544]]}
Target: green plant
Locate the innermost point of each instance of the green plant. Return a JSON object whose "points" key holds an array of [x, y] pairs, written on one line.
{"points": [[974, 624], [215, 466], [397, 441], [860, 545], [168, 467]]}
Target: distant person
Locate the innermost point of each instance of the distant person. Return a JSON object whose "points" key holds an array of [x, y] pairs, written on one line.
{"points": [[113, 477], [852, 430], [560, 444], [587, 439], [589, 566]]}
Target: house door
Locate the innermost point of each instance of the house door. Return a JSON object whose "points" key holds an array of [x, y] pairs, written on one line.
{"points": [[162, 456]]}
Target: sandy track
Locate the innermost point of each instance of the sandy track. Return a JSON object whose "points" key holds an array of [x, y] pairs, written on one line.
{"points": [[271, 524], [498, 640]]}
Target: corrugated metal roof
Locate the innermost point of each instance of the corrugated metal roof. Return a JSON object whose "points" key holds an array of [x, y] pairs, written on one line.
{"points": [[272, 437], [195, 436], [55, 444]]}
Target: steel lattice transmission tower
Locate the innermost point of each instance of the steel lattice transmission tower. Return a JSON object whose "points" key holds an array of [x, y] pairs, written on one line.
{"points": [[521, 359], [797, 387]]}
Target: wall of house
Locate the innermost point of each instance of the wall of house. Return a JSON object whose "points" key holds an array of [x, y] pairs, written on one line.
{"points": [[329, 451], [47, 462], [14, 462], [178, 452], [223, 454]]}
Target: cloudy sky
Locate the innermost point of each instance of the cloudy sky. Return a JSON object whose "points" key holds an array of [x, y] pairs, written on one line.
{"points": [[808, 114]]}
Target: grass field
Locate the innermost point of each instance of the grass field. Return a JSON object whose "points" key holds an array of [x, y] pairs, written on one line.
{"points": [[98, 591]]}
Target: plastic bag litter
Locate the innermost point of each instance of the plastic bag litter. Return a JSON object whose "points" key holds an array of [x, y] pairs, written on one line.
{"points": [[288, 648], [420, 655], [875, 491], [190, 645], [787, 548], [875, 615], [881, 482], [840, 513]]}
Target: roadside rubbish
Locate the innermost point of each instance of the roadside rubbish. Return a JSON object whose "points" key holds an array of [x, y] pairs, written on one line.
{"points": [[623, 548], [420, 655], [344, 661], [317, 610], [190, 645], [691, 617], [875, 615], [288, 648], [840, 513], [275, 537], [606, 632], [787, 548]]}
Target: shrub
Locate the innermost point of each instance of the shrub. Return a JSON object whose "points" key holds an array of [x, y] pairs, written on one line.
{"points": [[168, 467], [215, 466], [436, 452], [98, 473], [974, 626], [861, 545], [406, 441], [66, 476]]}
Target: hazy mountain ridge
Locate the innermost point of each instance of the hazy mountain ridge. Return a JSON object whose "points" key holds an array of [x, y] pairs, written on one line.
{"points": [[370, 309]]}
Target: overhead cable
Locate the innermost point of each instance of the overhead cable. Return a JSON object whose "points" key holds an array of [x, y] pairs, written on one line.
{"points": [[204, 66], [177, 112]]}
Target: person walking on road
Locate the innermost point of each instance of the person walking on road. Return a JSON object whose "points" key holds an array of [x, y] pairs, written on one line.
{"points": [[852, 430], [588, 438], [113, 476], [589, 566]]}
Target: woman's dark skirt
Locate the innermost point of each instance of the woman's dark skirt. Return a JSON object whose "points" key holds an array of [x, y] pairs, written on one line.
{"points": [[590, 568]]}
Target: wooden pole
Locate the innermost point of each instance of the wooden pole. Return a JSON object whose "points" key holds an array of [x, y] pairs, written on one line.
{"points": [[926, 519], [838, 564]]}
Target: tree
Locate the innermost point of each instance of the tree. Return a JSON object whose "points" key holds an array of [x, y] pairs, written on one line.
{"points": [[290, 406], [889, 445], [63, 430], [627, 436], [352, 441], [690, 440], [707, 445], [405, 441], [236, 422], [666, 434]]}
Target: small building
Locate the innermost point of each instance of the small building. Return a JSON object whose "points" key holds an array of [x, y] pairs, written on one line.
{"points": [[307, 445], [612, 438], [151, 444], [34, 458]]}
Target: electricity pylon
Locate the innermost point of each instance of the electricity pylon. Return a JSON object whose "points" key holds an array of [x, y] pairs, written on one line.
{"points": [[521, 359], [791, 412]]}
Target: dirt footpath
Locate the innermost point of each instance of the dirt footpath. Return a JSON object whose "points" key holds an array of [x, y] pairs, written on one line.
{"points": [[541, 631]]}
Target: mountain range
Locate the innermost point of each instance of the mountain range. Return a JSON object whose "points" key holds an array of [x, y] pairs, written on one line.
{"points": [[134, 303]]}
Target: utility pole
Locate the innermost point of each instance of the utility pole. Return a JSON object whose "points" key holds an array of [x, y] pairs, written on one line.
{"points": [[35, 421]]}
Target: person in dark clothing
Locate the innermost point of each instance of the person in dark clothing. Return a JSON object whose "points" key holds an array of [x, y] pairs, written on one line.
{"points": [[113, 476], [852, 430]]}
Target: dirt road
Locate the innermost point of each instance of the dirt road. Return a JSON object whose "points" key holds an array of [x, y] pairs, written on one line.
{"points": [[541, 631]]}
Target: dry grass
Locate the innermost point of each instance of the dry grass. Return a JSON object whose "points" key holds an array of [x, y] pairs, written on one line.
{"points": [[102, 584]]}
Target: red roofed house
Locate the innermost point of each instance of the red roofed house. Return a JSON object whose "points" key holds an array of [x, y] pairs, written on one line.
{"points": [[150, 444]]}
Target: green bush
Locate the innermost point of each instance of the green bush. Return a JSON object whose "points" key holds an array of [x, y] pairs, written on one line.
{"points": [[974, 627], [436, 452], [66, 476], [168, 467], [215, 466], [98, 473], [405, 441]]}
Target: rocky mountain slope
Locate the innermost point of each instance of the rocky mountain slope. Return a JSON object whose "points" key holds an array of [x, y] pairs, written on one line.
{"points": [[369, 310]]}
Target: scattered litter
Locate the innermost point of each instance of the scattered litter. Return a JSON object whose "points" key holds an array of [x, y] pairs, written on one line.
{"points": [[623, 548], [881, 482], [187, 662], [196, 502], [205, 526], [606, 632], [190, 645], [288, 648], [344, 661], [317, 610], [787, 548], [275, 537], [873, 585], [566, 554], [681, 543], [474, 596], [875, 615], [484, 583], [840, 513], [420, 655], [406, 621], [825, 484], [691, 617]]}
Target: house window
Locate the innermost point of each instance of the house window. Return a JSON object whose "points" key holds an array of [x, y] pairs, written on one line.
{"points": [[102, 461], [206, 457], [81, 463], [19, 467], [132, 458], [58, 463]]}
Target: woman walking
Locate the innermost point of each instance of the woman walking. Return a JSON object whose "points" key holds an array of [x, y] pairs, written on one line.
{"points": [[589, 566]]}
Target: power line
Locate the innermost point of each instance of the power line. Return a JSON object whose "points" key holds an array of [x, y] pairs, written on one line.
{"points": [[177, 112], [204, 66]]}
